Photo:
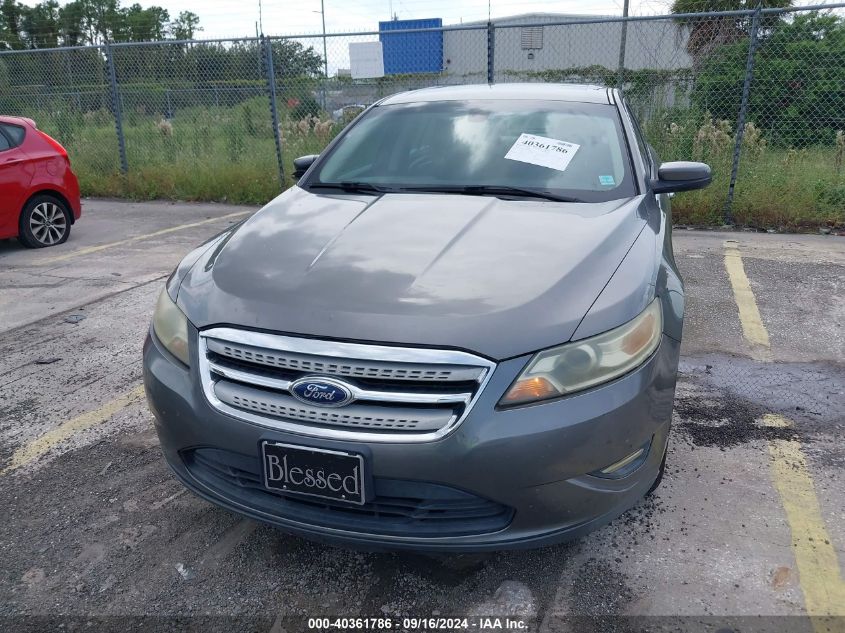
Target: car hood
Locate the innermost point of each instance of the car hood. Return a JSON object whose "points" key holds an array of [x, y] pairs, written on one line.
{"points": [[497, 277]]}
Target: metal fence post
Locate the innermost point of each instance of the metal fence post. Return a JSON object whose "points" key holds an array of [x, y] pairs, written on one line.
{"points": [[117, 110], [743, 111], [274, 111], [620, 78], [491, 52]]}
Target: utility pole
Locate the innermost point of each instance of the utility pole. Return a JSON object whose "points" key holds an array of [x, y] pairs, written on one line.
{"points": [[260, 20]]}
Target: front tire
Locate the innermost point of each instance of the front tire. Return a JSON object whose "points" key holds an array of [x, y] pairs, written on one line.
{"points": [[45, 221]]}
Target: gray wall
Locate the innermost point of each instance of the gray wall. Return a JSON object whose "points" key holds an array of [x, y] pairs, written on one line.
{"points": [[659, 44]]}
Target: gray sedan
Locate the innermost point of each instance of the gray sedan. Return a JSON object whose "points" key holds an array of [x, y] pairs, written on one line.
{"points": [[459, 331]]}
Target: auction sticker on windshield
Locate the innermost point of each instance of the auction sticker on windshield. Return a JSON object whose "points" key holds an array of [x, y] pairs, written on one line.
{"points": [[542, 151]]}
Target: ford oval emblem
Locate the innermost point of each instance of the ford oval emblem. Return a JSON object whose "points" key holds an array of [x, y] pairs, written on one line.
{"points": [[323, 392]]}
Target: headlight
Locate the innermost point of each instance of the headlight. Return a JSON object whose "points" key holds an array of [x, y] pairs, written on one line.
{"points": [[171, 327], [575, 366]]}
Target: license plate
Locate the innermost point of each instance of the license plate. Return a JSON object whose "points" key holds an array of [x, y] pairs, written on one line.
{"points": [[313, 471]]}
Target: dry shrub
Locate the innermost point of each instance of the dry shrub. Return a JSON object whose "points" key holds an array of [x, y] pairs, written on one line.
{"points": [[713, 137], [794, 156], [323, 129], [752, 139], [164, 127]]}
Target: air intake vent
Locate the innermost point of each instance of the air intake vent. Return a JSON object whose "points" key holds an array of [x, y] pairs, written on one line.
{"points": [[400, 508], [532, 38]]}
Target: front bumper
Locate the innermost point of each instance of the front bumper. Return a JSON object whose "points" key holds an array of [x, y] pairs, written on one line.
{"points": [[533, 461]]}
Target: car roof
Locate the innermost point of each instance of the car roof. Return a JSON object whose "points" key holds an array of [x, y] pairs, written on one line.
{"points": [[582, 93], [16, 120]]}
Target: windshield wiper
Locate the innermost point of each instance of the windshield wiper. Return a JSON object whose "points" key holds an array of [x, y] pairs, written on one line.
{"points": [[351, 187], [494, 190]]}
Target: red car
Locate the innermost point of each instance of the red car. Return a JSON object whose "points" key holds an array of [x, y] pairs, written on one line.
{"points": [[39, 194]]}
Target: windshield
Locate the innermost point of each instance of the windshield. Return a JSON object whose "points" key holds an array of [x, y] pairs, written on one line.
{"points": [[568, 149]]}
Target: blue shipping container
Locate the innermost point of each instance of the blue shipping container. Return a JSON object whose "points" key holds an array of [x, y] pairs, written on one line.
{"points": [[412, 52]]}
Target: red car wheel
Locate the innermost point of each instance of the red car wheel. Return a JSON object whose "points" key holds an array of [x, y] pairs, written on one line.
{"points": [[45, 221]]}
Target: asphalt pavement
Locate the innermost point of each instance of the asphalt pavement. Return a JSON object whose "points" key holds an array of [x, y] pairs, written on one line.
{"points": [[749, 521]]}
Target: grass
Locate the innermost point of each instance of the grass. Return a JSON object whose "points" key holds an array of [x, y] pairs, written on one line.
{"points": [[777, 188], [228, 154], [212, 154]]}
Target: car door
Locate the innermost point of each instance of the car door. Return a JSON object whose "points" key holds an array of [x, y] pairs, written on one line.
{"points": [[15, 176]]}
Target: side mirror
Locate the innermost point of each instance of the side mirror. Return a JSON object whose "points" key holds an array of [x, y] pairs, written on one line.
{"points": [[681, 176], [301, 164]]}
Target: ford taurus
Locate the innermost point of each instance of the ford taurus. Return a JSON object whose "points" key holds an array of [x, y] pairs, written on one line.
{"points": [[458, 331]]}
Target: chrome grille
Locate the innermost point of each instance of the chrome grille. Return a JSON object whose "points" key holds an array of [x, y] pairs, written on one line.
{"points": [[333, 367], [399, 394], [360, 416]]}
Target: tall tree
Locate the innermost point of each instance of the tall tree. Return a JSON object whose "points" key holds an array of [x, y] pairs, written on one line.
{"points": [[71, 27], [292, 59], [40, 25], [11, 13], [707, 34], [83, 22], [80, 22], [185, 26], [101, 20], [138, 24]]}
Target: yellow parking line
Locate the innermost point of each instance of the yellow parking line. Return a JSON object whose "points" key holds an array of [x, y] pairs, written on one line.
{"points": [[101, 247], [749, 315], [50, 439], [815, 557]]}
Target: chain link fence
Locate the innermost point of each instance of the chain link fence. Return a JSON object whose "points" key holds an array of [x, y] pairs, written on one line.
{"points": [[760, 95], [67, 91]]}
